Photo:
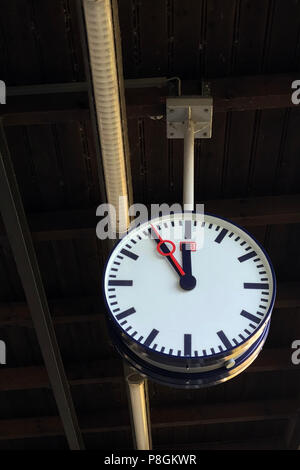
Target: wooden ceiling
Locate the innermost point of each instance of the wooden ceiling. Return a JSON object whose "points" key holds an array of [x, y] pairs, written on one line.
{"points": [[248, 53]]}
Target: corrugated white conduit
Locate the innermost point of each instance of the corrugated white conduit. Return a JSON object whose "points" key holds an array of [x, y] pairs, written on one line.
{"points": [[100, 33]]}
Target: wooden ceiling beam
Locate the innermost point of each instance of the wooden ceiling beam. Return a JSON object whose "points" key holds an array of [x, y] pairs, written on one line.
{"points": [[248, 212], [111, 371], [162, 418], [52, 103]]}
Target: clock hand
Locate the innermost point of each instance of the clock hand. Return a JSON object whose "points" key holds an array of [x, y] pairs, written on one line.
{"points": [[164, 251], [188, 281]]}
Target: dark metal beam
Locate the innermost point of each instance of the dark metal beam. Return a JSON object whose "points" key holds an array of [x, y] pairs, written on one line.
{"points": [[23, 250]]}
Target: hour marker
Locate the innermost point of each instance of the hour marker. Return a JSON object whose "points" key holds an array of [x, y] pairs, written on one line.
{"points": [[255, 285], [151, 337], [224, 339], [120, 283], [221, 235], [250, 316], [247, 256], [129, 254], [125, 314], [188, 229], [187, 345]]}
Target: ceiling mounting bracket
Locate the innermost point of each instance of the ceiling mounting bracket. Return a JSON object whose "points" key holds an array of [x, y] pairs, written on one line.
{"points": [[181, 109], [189, 118]]}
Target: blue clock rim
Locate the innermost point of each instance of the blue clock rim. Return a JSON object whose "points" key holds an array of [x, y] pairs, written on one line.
{"points": [[195, 380], [191, 358]]}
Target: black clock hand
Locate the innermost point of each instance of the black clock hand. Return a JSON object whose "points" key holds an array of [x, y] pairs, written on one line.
{"points": [[164, 251], [187, 282]]}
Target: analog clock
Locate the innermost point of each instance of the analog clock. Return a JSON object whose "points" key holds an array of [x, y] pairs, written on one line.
{"points": [[189, 298]]}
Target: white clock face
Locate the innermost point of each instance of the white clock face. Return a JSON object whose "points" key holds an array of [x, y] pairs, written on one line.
{"points": [[189, 299]]}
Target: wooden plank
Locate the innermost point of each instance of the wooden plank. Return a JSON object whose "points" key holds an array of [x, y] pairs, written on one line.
{"points": [[188, 36], [238, 149], [284, 22], [248, 48], [157, 170], [128, 37], [288, 168], [219, 33], [21, 55], [75, 174], [209, 161], [44, 159], [266, 152], [19, 146], [151, 37], [51, 22]]}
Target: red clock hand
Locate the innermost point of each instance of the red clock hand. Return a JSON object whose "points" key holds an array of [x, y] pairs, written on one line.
{"points": [[168, 253]]}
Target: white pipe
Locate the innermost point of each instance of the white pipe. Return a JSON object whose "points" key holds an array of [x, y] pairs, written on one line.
{"points": [[188, 165], [100, 33], [136, 385]]}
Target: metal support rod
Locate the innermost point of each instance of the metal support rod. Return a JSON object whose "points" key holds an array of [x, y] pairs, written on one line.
{"points": [[20, 239], [137, 391], [188, 166]]}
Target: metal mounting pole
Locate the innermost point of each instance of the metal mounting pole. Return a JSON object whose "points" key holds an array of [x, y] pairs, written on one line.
{"points": [[189, 117], [137, 389], [188, 164]]}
